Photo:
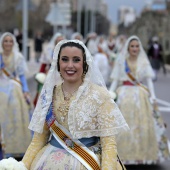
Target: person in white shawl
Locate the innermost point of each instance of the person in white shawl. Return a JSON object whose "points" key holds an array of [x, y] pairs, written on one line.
{"points": [[146, 143], [101, 59], [74, 91]]}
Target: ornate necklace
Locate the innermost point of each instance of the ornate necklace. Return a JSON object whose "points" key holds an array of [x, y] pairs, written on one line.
{"points": [[64, 106], [132, 66]]}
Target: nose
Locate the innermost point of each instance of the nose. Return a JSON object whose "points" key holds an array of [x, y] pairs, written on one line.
{"points": [[70, 63]]}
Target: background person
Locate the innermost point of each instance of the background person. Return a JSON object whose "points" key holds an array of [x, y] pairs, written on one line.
{"points": [[38, 45], [155, 54], [14, 97], [45, 60], [146, 142]]}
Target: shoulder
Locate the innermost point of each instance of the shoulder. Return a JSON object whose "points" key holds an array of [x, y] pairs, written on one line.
{"points": [[19, 55], [102, 92]]}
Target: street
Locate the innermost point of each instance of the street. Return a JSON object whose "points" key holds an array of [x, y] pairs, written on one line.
{"points": [[162, 92]]}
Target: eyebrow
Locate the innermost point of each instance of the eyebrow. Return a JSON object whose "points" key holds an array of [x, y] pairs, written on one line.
{"points": [[73, 56]]}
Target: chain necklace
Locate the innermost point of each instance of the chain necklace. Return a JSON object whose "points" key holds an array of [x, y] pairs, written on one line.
{"points": [[64, 107], [132, 66]]}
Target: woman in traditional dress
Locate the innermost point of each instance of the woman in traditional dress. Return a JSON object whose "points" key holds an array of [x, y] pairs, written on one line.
{"points": [[14, 95], [45, 60], [74, 112], [145, 143], [77, 36]]}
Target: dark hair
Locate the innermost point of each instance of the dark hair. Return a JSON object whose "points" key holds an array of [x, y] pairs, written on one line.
{"points": [[73, 44], [133, 40]]}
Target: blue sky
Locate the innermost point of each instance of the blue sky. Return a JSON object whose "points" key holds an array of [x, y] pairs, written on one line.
{"points": [[113, 6]]}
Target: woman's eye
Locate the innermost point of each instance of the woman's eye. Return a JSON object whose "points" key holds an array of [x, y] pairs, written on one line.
{"points": [[64, 59], [76, 60]]}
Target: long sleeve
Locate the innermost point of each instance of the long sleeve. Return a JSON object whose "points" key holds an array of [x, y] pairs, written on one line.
{"points": [[24, 83], [151, 88], [109, 153], [38, 142], [113, 85]]}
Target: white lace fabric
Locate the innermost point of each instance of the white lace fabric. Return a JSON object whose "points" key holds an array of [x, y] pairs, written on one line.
{"points": [[119, 73], [92, 113], [95, 114]]}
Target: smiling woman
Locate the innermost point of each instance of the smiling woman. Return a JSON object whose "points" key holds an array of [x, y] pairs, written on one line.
{"points": [[14, 117], [71, 65], [75, 117]]}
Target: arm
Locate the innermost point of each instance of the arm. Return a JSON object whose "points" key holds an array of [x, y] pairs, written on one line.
{"points": [[151, 89], [109, 153], [38, 142], [113, 85], [24, 83]]}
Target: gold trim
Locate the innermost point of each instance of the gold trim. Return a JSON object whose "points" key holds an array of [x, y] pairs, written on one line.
{"points": [[76, 148]]}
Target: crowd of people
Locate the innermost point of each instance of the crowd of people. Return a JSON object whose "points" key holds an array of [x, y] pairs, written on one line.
{"points": [[89, 104]]}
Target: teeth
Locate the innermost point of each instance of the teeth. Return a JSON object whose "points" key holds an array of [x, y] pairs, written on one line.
{"points": [[70, 72]]}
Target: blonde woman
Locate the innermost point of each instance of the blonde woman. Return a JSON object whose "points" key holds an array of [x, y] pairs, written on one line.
{"points": [[14, 97]]}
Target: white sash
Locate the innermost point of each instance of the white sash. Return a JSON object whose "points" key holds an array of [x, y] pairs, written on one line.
{"points": [[69, 143]]}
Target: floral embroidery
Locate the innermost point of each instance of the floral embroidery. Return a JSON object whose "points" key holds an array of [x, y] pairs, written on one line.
{"points": [[58, 156], [43, 99]]}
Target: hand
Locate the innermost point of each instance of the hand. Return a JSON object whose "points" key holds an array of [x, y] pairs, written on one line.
{"points": [[113, 95], [27, 98], [153, 100]]}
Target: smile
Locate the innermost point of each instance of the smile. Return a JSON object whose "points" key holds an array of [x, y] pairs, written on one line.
{"points": [[70, 71]]}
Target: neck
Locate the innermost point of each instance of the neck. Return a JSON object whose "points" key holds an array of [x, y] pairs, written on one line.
{"points": [[132, 58], [71, 87], [7, 53]]}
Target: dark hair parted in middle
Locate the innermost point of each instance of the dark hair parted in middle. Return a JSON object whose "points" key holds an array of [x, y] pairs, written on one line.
{"points": [[73, 44]]}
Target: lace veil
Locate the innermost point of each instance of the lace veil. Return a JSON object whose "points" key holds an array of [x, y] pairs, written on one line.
{"points": [[18, 57], [93, 76], [143, 65]]}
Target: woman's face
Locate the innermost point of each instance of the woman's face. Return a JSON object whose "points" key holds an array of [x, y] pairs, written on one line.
{"points": [[134, 48], [71, 64], [8, 43]]}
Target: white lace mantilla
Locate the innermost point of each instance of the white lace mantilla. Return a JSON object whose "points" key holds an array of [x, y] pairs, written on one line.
{"points": [[92, 113], [95, 114]]}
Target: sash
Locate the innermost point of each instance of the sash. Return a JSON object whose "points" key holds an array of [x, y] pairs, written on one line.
{"points": [[133, 79], [73, 146], [11, 77], [6, 72]]}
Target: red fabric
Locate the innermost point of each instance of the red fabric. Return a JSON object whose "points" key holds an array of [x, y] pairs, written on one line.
{"points": [[43, 68], [128, 83], [36, 99]]}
